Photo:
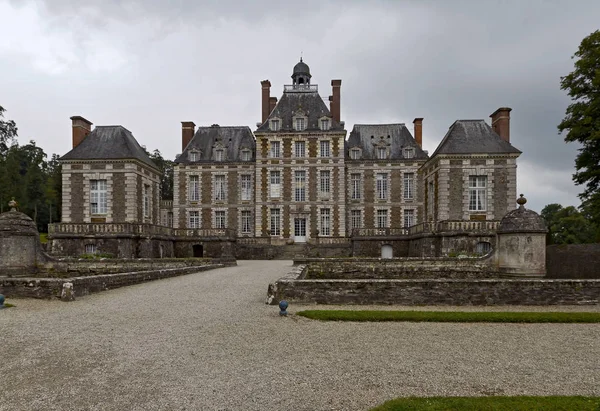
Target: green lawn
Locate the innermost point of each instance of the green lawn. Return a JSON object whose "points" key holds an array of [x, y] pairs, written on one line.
{"points": [[452, 316], [492, 404]]}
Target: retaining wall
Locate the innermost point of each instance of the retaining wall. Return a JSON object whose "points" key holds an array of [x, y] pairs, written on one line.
{"points": [[573, 261]]}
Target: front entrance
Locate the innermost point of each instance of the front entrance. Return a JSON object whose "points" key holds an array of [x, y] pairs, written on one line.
{"points": [[387, 251], [198, 250], [299, 230]]}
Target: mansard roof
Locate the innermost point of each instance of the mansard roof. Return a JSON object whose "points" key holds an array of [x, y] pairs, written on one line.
{"points": [[300, 100], [397, 136], [233, 139], [473, 137], [109, 143]]}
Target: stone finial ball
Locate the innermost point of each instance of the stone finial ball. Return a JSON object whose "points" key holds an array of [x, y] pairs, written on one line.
{"points": [[521, 200], [12, 204]]}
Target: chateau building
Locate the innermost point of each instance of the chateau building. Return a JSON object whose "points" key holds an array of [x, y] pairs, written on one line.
{"points": [[296, 178]]}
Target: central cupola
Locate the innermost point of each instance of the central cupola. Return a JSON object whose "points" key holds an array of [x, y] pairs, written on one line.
{"points": [[301, 75]]}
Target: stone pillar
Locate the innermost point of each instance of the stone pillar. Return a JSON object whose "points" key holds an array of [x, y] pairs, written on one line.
{"points": [[521, 243]]}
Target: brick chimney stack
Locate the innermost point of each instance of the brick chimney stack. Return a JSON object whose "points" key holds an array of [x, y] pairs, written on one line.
{"points": [[266, 99], [272, 104], [334, 99], [501, 123], [81, 128], [188, 128], [418, 123]]}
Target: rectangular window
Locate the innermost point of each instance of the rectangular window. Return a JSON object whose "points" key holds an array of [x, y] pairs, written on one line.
{"points": [[382, 186], [169, 219], [409, 218], [275, 221], [430, 198], [275, 149], [409, 186], [98, 203], [274, 125], [246, 187], [381, 153], [477, 193], [300, 124], [220, 188], [325, 148], [300, 186], [382, 218], [409, 152], [246, 155], [325, 221], [325, 183], [90, 248], [219, 155], [355, 184], [275, 184], [194, 188], [299, 149], [246, 222], [194, 156], [220, 219], [194, 219], [325, 124], [355, 154], [355, 219], [146, 200]]}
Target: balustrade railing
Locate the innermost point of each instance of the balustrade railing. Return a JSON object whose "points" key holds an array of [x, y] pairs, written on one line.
{"points": [[135, 229], [430, 227], [306, 88]]}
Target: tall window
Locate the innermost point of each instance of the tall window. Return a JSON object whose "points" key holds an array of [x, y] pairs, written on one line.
{"points": [[220, 219], [430, 197], [355, 186], [246, 187], [325, 152], [300, 186], [477, 193], [409, 218], [275, 221], [300, 124], [299, 149], [409, 152], [275, 125], [325, 184], [246, 221], [194, 188], [355, 219], [220, 188], [170, 219], [382, 218], [194, 219], [382, 186], [325, 124], [219, 154], [409, 186], [275, 149], [325, 221], [146, 200], [98, 204], [275, 184], [381, 153]]}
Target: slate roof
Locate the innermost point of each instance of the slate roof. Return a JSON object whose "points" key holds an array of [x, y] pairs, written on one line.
{"points": [[367, 137], [291, 102], [109, 143], [473, 136], [232, 138]]}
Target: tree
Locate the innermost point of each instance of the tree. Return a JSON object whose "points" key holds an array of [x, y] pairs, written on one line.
{"points": [[8, 132], [582, 120], [166, 174], [566, 225]]}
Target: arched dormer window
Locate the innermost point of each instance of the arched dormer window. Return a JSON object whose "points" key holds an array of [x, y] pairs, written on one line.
{"points": [[275, 124], [194, 155], [299, 121], [382, 148], [408, 152], [325, 123], [355, 153], [246, 154]]}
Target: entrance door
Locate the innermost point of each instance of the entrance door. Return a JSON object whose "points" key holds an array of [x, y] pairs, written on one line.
{"points": [[387, 251], [299, 230]]}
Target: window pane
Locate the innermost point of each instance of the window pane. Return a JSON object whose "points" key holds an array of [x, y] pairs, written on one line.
{"points": [[325, 183]]}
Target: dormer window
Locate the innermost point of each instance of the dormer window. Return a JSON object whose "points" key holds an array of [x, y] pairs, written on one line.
{"points": [[219, 154], [194, 156], [325, 124], [409, 152], [381, 153], [355, 154], [246, 155], [275, 125], [300, 124]]}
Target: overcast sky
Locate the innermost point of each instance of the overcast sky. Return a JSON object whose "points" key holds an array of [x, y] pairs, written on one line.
{"points": [[148, 65]]}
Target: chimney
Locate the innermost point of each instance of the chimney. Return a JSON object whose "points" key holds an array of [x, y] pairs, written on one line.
{"points": [[266, 99], [501, 123], [81, 128], [418, 123], [272, 104], [334, 99], [188, 128]]}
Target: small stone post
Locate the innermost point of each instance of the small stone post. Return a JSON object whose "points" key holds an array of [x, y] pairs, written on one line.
{"points": [[67, 294]]}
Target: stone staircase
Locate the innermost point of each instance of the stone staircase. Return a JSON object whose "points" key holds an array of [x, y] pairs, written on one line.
{"points": [[290, 251]]}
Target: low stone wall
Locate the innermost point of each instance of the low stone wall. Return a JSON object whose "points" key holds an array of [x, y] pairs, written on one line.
{"points": [[52, 287], [407, 268], [573, 261], [433, 291]]}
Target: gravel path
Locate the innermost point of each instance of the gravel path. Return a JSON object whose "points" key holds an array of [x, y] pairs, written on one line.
{"points": [[207, 341]]}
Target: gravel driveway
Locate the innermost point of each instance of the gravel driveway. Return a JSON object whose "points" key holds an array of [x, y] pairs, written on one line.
{"points": [[207, 341]]}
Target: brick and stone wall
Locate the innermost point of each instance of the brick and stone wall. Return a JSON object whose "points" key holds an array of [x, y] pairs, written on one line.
{"points": [[573, 261]]}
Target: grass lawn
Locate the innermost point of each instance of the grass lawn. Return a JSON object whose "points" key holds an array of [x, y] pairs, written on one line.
{"points": [[492, 403], [452, 316]]}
